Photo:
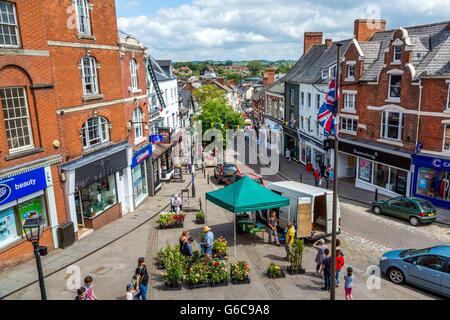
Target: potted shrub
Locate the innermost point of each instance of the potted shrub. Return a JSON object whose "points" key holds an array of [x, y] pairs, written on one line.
{"points": [[197, 276], [274, 271], [173, 275], [296, 258], [200, 217], [218, 273], [220, 248], [240, 272], [171, 220]]}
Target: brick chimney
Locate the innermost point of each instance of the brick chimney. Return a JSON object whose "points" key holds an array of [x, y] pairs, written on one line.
{"points": [[365, 29], [310, 39], [221, 80], [328, 42], [269, 77]]}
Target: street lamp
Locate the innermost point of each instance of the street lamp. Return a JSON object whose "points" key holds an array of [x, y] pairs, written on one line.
{"points": [[33, 229]]}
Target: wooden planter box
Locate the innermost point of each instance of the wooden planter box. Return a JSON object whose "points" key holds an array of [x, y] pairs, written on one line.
{"points": [[198, 285], [282, 275], [245, 281], [292, 272], [173, 285], [220, 284], [172, 226]]}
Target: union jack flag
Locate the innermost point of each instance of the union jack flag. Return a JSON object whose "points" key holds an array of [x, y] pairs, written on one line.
{"points": [[327, 115]]}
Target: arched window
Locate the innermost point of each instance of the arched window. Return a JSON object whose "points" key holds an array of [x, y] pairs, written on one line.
{"points": [[95, 132], [138, 123], [134, 74], [89, 75], [84, 21]]}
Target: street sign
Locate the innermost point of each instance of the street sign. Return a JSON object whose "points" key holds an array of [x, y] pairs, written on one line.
{"points": [[156, 138], [419, 147]]}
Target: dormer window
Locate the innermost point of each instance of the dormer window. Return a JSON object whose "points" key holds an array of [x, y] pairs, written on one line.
{"points": [[332, 71], [351, 71], [397, 54], [324, 74]]}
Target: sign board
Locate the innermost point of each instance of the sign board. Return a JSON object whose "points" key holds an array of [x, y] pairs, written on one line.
{"points": [[22, 185], [140, 155], [156, 138], [304, 225], [177, 173]]}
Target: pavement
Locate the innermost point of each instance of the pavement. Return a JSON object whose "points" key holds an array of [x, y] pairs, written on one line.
{"points": [[110, 256]]}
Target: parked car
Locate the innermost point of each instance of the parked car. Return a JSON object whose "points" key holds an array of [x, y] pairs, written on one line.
{"points": [[238, 176], [225, 171], [415, 210], [426, 268]]}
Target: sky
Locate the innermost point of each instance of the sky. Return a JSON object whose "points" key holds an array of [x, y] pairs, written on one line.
{"points": [[187, 30]]}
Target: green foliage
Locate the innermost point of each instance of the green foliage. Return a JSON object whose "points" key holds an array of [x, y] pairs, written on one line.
{"points": [[207, 93], [240, 270], [255, 67], [274, 270], [220, 246], [296, 256], [284, 68], [174, 263], [198, 273], [218, 271], [200, 215], [217, 111]]}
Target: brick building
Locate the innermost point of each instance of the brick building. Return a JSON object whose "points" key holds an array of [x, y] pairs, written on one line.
{"points": [[395, 93]]}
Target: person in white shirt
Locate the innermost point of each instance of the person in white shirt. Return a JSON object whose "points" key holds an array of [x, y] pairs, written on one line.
{"points": [[176, 203]]}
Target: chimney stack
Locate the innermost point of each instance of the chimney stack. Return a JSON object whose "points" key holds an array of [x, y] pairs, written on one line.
{"points": [[310, 39], [221, 80], [269, 77], [328, 42], [365, 29]]}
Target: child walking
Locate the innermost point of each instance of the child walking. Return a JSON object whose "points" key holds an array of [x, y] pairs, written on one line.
{"points": [[349, 284]]}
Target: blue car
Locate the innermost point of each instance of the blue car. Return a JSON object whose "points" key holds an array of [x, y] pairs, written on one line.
{"points": [[426, 268]]}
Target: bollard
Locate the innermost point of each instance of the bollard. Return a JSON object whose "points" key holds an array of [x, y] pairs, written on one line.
{"points": [[208, 178], [327, 184], [376, 194], [301, 178]]}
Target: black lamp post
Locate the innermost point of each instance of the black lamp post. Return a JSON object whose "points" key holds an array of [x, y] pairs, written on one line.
{"points": [[33, 228]]}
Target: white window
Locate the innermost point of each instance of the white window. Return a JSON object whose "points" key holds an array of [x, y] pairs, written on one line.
{"points": [[392, 125], [138, 123], [395, 86], [349, 124], [397, 54], [134, 74], [302, 98], [95, 131], [448, 97], [350, 101], [84, 21], [16, 118], [9, 29], [351, 71], [90, 79], [332, 71], [292, 93], [325, 74], [309, 100], [318, 101]]}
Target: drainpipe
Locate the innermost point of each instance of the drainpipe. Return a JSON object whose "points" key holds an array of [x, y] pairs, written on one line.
{"points": [[417, 130]]}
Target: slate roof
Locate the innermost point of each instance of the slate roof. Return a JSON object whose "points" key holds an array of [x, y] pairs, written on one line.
{"points": [[431, 40], [162, 73]]}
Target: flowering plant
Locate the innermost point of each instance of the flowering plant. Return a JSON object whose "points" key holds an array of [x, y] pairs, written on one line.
{"points": [[171, 218], [197, 274], [240, 270], [220, 246], [218, 271], [274, 271]]}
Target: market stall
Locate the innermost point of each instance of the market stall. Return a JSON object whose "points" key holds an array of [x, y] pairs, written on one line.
{"points": [[245, 195]]}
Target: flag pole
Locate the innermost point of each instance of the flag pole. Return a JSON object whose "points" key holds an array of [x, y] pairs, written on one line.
{"points": [[335, 181]]}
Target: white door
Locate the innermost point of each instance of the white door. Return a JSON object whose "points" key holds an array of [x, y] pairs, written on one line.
{"points": [[121, 189]]}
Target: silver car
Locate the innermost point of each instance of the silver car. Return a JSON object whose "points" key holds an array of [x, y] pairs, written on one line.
{"points": [[426, 268]]}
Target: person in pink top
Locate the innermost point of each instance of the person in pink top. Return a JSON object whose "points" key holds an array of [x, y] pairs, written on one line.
{"points": [[89, 287]]}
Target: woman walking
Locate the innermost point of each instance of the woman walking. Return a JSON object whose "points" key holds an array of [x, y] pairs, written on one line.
{"points": [[273, 232], [320, 247]]}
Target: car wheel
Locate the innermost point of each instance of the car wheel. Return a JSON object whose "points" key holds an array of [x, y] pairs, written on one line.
{"points": [[377, 210], [414, 221], [396, 276]]}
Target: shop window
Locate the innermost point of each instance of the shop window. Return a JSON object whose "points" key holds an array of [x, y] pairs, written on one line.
{"points": [[134, 74], [447, 137], [16, 118], [84, 20], [89, 76], [381, 176], [443, 191], [97, 198], [398, 181], [13, 216], [95, 132], [426, 182], [392, 125], [139, 180], [9, 28], [365, 170], [395, 86]]}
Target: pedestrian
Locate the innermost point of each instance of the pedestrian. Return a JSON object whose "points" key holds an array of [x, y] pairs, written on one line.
{"points": [[317, 177], [272, 228], [183, 238], [320, 246], [130, 292], [290, 237], [81, 294], [176, 203], [323, 170], [187, 247], [142, 279], [349, 284], [287, 154], [339, 264], [89, 288], [326, 270], [331, 175], [208, 241], [338, 246]]}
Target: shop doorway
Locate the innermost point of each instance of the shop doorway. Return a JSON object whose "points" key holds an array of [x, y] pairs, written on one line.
{"points": [[292, 145]]}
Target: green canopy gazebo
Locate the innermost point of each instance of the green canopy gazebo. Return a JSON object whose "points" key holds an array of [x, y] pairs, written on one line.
{"points": [[245, 195]]}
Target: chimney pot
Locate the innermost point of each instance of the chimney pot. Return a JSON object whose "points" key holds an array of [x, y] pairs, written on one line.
{"points": [[310, 39], [365, 29], [328, 42]]}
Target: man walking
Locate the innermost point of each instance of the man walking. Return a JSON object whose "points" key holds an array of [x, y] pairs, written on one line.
{"points": [[141, 274], [317, 177], [290, 236], [326, 269], [208, 241]]}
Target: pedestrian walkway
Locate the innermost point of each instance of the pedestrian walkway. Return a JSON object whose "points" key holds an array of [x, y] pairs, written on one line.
{"points": [[292, 170], [19, 276]]}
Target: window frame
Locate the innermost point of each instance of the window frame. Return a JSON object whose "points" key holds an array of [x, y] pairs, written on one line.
{"points": [[351, 75], [309, 99], [103, 137], [349, 123], [292, 96], [397, 51], [347, 100], [93, 66], [390, 87], [134, 74], [318, 100], [448, 97], [302, 98], [83, 5], [385, 126], [446, 125], [138, 120], [16, 27], [25, 117], [325, 74]]}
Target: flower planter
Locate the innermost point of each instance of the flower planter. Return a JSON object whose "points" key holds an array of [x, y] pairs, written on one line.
{"points": [[245, 281], [224, 283], [199, 221], [298, 271], [172, 226], [222, 256], [197, 285], [282, 275], [173, 285]]}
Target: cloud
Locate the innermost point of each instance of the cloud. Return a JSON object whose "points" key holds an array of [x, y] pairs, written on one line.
{"points": [[262, 29]]}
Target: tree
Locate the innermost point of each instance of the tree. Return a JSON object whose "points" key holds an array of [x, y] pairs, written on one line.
{"points": [[284, 68], [255, 67], [208, 92]]}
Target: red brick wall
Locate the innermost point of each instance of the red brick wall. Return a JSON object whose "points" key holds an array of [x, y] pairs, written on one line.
{"points": [[310, 39]]}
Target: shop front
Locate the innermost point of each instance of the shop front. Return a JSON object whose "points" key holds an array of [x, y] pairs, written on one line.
{"points": [[275, 134], [432, 179], [291, 143], [139, 170], [312, 154], [100, 188], [23, 194], [387, 171]]}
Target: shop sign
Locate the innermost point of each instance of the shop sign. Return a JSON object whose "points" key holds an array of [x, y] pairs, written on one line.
{"points": [[156, 138], [443, 164], [142, 154], [375, 155], [22, 185]]}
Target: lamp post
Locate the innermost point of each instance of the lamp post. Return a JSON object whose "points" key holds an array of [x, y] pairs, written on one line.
{"points": [[193, 166], [33, 228]]}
